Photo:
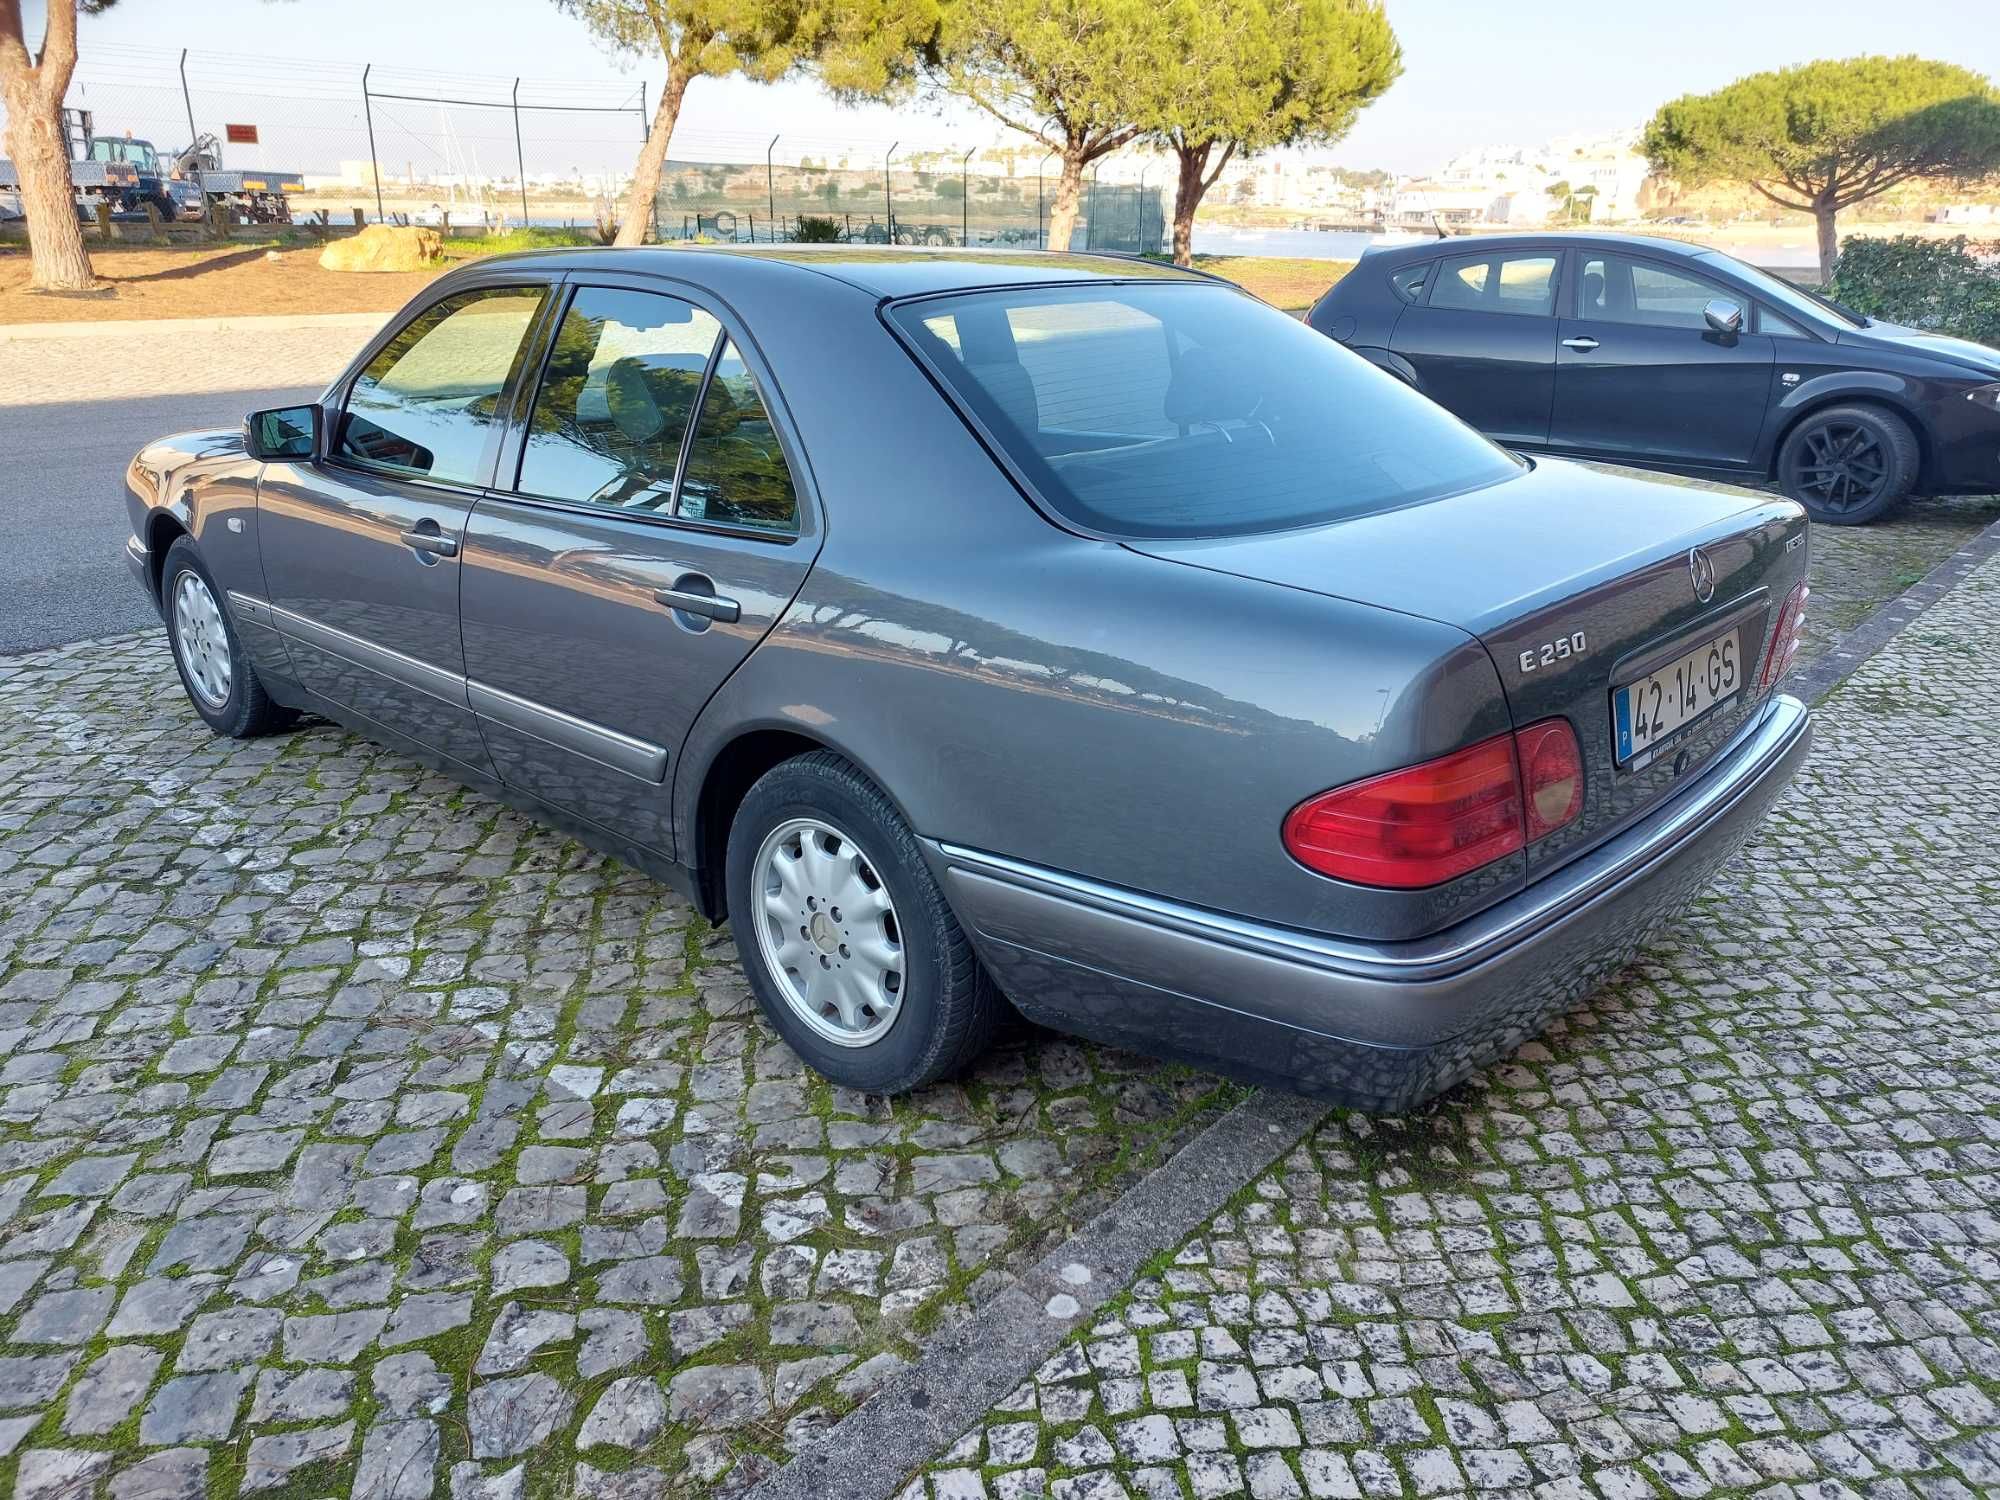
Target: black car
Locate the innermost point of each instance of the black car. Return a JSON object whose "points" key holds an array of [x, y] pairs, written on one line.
{"points": [[1654, 352]]}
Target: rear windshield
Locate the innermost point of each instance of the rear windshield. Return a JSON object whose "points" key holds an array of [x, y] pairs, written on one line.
{"points": [[1151, 410]]}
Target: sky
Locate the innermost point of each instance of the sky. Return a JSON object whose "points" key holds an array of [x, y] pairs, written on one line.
{"points": [[1474, 73]]}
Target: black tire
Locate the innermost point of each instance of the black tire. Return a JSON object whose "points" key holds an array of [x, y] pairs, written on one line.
{"points": [[1848, 464], [247, 710], [947, 1008]]}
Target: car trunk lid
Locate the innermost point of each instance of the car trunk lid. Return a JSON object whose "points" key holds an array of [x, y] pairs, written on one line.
{"points": [[1576, 580]]}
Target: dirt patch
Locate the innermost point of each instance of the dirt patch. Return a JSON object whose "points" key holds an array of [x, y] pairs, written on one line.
{"points": [[207, 282]]}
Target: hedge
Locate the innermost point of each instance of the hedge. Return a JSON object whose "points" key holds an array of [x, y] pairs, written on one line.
{"points": [[1943, 286]]}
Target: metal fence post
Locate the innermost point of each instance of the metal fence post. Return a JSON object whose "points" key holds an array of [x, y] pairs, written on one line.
{"points": [[520, 157], [200, 176], [1041, 236], [965, 199], [770, 187], [374, 161], [888, 196]]}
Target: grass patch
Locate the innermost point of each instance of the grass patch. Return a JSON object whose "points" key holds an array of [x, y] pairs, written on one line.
{"points": [[1292, 283]]}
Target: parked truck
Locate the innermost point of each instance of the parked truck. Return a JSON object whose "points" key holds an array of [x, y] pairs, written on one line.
{"points": [[129, 174]]}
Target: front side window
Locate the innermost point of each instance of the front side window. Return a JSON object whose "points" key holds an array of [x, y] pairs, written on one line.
{"points": [[620, 386], [736, 471], [428, 403], [1524, 284], [1616, 289], [1150, 410]]}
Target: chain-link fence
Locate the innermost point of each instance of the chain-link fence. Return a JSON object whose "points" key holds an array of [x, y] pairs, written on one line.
{"points": [[364, 142], [891, 205]]}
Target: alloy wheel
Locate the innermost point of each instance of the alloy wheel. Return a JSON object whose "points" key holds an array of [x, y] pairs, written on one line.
{"points": [[827, 932], [201, 639], [1843, 466]]}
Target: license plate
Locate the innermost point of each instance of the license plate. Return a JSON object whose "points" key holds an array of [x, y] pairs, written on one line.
{"points": [[1645, 714]]}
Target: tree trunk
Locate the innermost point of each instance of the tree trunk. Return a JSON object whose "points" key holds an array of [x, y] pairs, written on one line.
{"points": [[1069, 194], [1187, 198], [33, 96], [638, 220], [1829, 239]]}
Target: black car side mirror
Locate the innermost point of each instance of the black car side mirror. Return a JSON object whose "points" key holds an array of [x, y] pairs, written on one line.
{"points": [[1723, 316], [284, 432]]}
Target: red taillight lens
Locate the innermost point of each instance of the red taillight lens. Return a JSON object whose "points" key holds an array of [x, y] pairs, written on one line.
{"points": [[1551, 776], [1430, 823], [1785, 641], [1418, 826]]}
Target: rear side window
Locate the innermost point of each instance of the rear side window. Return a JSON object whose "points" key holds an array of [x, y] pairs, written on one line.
{"points": [[736, 471], [616, 399], [1151, 410], [428, 402], [1408, 283], [1524, 284]]}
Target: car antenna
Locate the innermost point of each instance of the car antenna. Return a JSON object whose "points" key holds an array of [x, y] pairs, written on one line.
{"points": [[1438, 227]]}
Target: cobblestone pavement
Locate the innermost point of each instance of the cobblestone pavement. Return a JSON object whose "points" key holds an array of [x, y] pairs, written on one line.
{"points": [[358, 1137], [1731, 1229]]}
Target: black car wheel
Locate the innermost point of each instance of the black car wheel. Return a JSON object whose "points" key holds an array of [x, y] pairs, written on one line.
{"points": [[1849, 464], [215, 669], [851, 949]]}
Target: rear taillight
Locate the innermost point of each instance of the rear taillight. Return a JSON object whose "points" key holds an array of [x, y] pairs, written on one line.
{"points": [[1551, 776], [1430, 823], [1785, 640]]}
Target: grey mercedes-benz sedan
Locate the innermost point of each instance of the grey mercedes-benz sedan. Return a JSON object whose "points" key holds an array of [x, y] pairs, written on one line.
{"points": [[1069, 629]]}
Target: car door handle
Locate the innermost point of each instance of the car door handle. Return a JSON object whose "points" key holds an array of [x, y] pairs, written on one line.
{"points": [[689, 601], [435, 542], [1581, 345]]}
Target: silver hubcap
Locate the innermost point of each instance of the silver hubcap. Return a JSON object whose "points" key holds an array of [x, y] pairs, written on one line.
{"points": [[201, 640], [828, 932]]}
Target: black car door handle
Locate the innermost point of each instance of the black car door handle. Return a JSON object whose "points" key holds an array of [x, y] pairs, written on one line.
{"points": [[1581, 345], [433, 541], [714, 606]]}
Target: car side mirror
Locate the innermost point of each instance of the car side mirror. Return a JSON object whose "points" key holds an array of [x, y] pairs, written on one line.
{"points": [[283, 432], [1723, 315]]}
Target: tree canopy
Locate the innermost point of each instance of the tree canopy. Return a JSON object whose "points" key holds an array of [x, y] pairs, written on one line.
{"points": [[1080, 76], [1247, 75], [1824, 136], [859, 48]]}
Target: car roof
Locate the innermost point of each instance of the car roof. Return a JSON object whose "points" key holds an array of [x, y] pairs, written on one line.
{"points": [[882, 271], [1473, 244]]}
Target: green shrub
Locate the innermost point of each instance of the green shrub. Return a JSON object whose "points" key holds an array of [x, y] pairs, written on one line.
{"points": [[817, 231], [1944, 286]]}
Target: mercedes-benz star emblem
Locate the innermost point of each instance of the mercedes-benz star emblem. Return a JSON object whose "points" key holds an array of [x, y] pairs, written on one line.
{"points": [[1701, 570]]}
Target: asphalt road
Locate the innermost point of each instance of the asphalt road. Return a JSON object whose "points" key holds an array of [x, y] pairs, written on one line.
{"points": [[73, 411], [63, 573]]}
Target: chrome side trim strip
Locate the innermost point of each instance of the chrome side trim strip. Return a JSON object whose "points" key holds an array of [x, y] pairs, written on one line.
{"points": [[249, 607], [1734, 774], [621, 752], [447, 687]]}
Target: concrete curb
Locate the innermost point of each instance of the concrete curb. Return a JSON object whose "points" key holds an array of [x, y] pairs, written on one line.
{"points": [[1851, 650], [977, 1361], [111, 328]]}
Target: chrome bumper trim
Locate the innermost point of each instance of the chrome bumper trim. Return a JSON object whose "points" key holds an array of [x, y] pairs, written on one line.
{"points": [[1733, 774]]}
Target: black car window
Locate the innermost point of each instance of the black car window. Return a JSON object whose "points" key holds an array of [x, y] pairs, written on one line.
{"points": [[1188, 410], [1769, 322], [1522, 283], [736, 471], [1408, 283], [427, 403], [1619, 289], [620, 386]]}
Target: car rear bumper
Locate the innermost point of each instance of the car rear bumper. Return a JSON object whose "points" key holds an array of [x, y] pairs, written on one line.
{"points": [[1379, 1025]]}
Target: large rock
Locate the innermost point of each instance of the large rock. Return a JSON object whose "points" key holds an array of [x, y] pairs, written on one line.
{"points": [[384, 247]]}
